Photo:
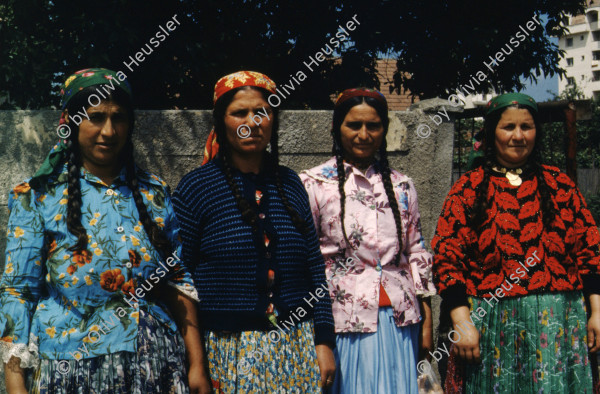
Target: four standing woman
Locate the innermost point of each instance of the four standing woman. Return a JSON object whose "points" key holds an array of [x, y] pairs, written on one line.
{"points": [[101, 283]]}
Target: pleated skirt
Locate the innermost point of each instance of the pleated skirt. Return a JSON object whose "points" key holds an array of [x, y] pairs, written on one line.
{"points": [[381, 362], [264, 362], [159, 366], [531, 344]]}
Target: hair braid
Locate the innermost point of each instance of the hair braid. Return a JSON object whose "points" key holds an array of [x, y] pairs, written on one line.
{"points": [[74, 198], [549, 211], [341, 173], [298, 222], [481, 200], [74, 201], [533, 164], [386, 176], [248, 213], [157, 237]]}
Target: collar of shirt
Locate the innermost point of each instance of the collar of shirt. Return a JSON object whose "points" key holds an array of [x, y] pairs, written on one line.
{"points": [[373, 169], [120, 180], [327, 172]]}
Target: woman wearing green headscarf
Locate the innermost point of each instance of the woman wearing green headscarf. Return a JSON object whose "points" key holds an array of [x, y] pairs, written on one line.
{"points": [[517, 257], [93, 291]]}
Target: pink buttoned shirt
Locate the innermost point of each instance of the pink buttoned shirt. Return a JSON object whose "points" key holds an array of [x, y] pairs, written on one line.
{"points": [[355, 274]]}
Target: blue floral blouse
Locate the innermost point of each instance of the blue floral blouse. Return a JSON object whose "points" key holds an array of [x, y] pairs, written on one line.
{"points": [[59, 304]]}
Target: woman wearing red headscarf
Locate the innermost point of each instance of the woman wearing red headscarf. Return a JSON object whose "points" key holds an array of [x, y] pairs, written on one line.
{"points": [[379, 272], [250, 244]]}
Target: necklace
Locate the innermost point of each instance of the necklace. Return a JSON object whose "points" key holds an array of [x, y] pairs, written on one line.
{"points": [[511, 174]]}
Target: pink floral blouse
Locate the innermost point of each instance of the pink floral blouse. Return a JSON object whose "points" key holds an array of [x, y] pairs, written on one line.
{"points": [[355, 274]]}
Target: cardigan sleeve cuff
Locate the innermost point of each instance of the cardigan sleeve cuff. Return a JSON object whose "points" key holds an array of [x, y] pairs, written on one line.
{"points": [[591, 284], [454, 296], [324, 335]]}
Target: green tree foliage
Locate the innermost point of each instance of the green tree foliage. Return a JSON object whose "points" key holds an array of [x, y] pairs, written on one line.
{"points": [[588, 135], [440, 44]]}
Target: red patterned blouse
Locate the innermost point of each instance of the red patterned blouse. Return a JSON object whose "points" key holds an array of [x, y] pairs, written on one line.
{"points": [[512, 250]]}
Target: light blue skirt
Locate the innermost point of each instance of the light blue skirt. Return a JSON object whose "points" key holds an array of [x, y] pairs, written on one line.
{"points": [[381, 362]]}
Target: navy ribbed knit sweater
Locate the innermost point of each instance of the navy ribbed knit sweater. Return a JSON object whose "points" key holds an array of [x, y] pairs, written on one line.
{"points": [[229, 264]]}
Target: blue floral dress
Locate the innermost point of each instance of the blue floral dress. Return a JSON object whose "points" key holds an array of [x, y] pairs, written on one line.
{"points": [[90, 316]]}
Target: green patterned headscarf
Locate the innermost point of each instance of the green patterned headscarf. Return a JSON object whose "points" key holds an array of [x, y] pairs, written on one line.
{"points": [[75, 83], [508, 99], [90, 77]]}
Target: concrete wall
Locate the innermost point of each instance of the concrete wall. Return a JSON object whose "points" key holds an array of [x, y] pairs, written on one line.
{"points": [[170, 144]]}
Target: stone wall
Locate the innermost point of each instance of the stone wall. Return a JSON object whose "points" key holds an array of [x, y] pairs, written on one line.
{"points": [[170, 144]]}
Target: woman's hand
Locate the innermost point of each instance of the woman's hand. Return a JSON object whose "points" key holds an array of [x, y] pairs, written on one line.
{"points": [[426, 330], [199, 380], [467, 347], [14, 377], [326, 365], [593, 326], [184, 313]]}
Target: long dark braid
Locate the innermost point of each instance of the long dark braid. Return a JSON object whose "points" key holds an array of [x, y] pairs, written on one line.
{"points": [[248, 214], [156, 235], [386, 176], [478, 214], [74, 197], [341, 173], [339, 114], [74, 201], [549, 210], [481, 200]]}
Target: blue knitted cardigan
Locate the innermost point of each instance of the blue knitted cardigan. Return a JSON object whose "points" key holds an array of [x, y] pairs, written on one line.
{"points": [[229, 264]]}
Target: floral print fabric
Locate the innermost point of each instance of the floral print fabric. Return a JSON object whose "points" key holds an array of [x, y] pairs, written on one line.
{"points": [[157, 367], [71, 305], [256, 362], [371, 230], [531, 344]]}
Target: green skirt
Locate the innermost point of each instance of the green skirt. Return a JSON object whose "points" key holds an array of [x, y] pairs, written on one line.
{"points": [[531, 344]]}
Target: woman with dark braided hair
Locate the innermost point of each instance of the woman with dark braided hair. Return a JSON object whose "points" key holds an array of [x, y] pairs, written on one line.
{"points": [[249, 241], [93, 291], [517, 258], [379, 272]]}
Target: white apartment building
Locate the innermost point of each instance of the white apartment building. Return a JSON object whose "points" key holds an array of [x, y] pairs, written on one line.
{"points": [[582, 52]]}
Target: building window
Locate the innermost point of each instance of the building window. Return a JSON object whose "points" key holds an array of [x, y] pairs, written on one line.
{"points": [[596, 76], [596, 35], [570, 41], [596, 55], [581, 37], [593, 16], [570, 81], [569, 62], [582, 58]]}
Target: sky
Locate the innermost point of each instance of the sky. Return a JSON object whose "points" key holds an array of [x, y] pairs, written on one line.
{"points": [[539, 90]]}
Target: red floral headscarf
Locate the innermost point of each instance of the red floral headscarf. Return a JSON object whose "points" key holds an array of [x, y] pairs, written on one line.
{"points": [[361, 92], [224, 85]]}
